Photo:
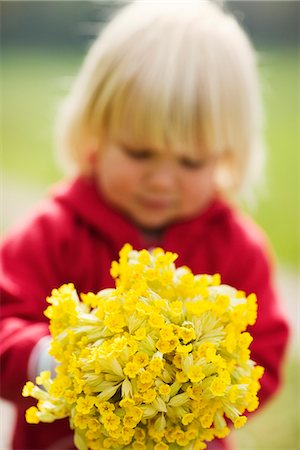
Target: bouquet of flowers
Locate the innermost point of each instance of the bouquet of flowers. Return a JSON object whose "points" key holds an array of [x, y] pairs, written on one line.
{"points": [[160, 362]]}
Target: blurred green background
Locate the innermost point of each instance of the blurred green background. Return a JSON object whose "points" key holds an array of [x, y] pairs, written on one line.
{"points": [[42, 46]]}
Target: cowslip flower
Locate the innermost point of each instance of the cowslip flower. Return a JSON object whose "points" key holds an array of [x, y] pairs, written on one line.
{"points": [[160, 362]]}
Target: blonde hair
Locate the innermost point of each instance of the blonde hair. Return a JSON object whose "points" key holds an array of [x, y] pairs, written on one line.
{"points": [[177, 75]]}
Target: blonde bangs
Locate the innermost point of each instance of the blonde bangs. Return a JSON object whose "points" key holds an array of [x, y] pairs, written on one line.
{"points": [[158, 96], [167, 93]]}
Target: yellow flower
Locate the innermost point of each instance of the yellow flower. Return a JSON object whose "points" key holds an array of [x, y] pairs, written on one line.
{"points": [[176, 307], [199, 445], [93, 425], [81, 421], [111, 421], [206, 420], [240, 421], [146, 377], [70, 396], [131, 369], [163, 358], [251, 303], [104, 407], [115, 322], [138, 445], [28, 389], [191, 434], [194, 392], [141, 359], [156, 320], [126, 403], [167, 346], [32, 415], [139, 434], [218, 386], [164, 389], [140, 333], [181, 377], [108, 443], [144, 257], [177, 361], [115, 269], [220, 434], [252, 403], [161, 446], [245, 340], [216, 279], [182, 440], [184, 349], [133, 416], [188, 418], [167, 332], [156, 365], [91, 299], [195, 374], [85, 404], [43, 377], [233, 393], [187, 334]]}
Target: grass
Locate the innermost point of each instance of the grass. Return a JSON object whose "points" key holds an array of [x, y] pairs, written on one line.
{"points": [[278, 211], [33, 85]]}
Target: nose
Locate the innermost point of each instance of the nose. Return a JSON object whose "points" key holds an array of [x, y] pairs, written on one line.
{"points": [[162, 177]]}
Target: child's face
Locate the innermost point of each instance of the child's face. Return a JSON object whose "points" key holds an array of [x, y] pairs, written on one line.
{"points": [[154, 188]]}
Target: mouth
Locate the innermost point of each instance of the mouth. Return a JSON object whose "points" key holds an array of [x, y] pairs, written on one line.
{"points": [[156, 203]]}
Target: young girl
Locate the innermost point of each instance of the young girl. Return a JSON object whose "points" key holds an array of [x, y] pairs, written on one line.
{"points": [[161, 131]]}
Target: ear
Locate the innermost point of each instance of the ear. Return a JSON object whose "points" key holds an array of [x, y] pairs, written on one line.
{"points": [[92, 155], [223, 171]]}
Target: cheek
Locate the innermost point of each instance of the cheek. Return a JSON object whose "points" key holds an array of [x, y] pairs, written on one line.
{"points": [[198, 189], [115, 177]]}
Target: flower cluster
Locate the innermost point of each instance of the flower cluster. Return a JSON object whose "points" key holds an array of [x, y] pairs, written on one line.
{"points": [[160, 362]]}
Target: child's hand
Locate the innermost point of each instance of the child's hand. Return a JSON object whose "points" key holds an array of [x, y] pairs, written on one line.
{"points": [[40, 360]]}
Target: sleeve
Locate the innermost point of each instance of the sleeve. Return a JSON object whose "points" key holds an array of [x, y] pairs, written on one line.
{"points": [[31, 265], [270, 332], [253, 273]]}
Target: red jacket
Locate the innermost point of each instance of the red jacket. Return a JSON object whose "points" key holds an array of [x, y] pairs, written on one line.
{"points": [[75, 236]]}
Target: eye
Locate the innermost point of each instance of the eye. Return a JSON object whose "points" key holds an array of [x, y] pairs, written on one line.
{"points": [[192, 164], [138, 154]]}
